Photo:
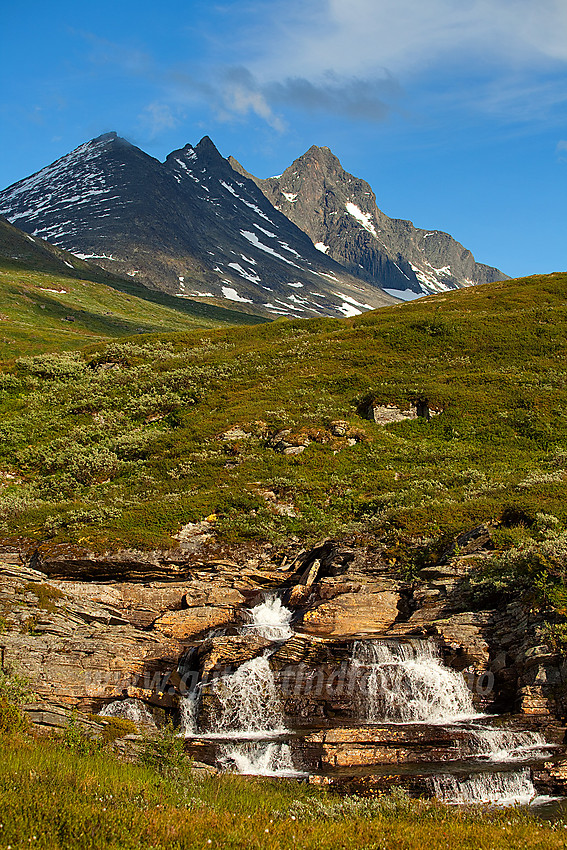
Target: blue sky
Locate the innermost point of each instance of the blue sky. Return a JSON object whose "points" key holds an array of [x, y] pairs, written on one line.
{"points": [[455, 111]]}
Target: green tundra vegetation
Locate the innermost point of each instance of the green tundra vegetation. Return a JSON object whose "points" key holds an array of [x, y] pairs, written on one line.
{"points": [[43, 310], [74, 793], [123, 442]]}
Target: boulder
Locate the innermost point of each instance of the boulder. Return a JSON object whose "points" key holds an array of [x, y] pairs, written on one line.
{"points": [[187, 624], [353, 614]]}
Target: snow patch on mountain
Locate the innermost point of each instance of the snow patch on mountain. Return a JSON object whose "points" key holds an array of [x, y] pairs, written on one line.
{"points": [[405, 294], [232, 295], [364, 218], [253, 278], [253, 239]]}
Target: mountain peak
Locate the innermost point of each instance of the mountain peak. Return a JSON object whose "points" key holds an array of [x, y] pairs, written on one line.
{"points": [[338, 211], [207, 149], [112, 138], [190, 226], [107, 137]]}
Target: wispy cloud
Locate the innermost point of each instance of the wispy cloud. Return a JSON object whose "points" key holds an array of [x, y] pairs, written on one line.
{"points": [[357, 60], [158, 117], [406, 36], [561, 150]]}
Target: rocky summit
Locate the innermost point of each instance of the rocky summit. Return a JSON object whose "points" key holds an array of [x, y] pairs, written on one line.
{"points": [[190, 226], [339, 212]]}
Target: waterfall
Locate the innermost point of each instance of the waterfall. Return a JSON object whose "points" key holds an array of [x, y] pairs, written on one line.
{"points": [[246, 704], [407, 683], [248, 701], [504, 745], [501, 789], [130, 709], [271, 619], [260, 759], [189, 711]]}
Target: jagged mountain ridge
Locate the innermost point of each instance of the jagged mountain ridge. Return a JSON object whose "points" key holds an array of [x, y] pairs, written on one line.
{"points": [[340, 214], [190, 226]]}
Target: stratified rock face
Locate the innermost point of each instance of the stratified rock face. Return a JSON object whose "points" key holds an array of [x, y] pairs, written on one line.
{"points": [[204, 606], [76, 653], [190, 226], [339, 212], [348, 614]]}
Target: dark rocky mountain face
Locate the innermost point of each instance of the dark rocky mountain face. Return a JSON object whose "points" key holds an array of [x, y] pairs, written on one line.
{"points": [[21, 249], [190, 226], [339, 212]]}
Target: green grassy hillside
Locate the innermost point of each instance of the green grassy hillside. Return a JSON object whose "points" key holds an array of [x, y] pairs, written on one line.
{"points": [[50, 300], [125, 442], [41, 311], [67, 794]]}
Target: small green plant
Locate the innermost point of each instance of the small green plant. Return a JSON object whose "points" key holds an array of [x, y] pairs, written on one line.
{"points": [[46, 595], [14, 692], [12, 718], [165, 752], [555, 635], [75, 738], [28, 626], [114, 727], [14, 688]]}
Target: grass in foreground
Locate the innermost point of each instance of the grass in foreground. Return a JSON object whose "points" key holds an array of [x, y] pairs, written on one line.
{"points": [[53, 797]]}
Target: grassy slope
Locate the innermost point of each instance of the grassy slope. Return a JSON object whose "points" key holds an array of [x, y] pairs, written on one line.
{"points": [[43, 311], [129, 450], [43, 287], [52, 797]]}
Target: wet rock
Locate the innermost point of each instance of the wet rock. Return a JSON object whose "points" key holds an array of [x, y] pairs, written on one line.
{"points": [[383, 745], [222, 654], [465, 632]]}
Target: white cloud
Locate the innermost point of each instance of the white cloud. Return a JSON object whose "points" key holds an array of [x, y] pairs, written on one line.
{"points": [[505, 58], [561, 150], [158, 117], [306, 37], [241, 95]]}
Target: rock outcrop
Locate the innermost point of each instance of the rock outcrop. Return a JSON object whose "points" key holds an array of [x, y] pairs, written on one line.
{"points": [[84, 640]]}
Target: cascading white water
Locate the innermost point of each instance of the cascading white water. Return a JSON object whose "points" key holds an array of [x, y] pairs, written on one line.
{"points": [[260, 759], [505, 745], [500, 789], [271, 619], [130, 709], [248, 700], [407, 683], [189, 711], [246, 703]]}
